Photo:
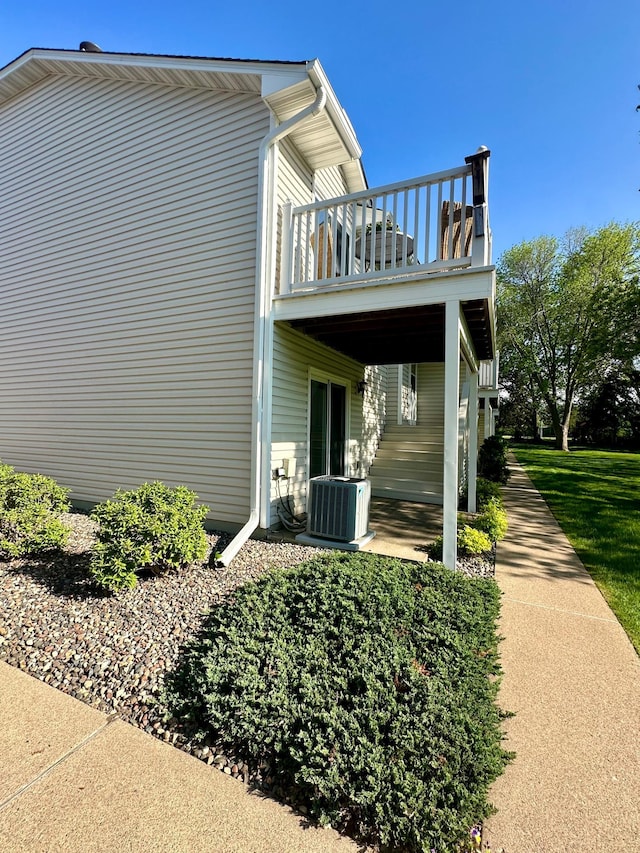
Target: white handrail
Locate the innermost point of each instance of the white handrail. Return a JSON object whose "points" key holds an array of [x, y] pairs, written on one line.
{"points": [[421, 225]]}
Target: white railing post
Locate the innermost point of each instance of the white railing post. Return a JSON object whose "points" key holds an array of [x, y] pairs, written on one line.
{"points": [[286, 251]]}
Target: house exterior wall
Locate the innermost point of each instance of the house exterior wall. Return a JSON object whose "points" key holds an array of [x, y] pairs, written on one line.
{"points": [[431, 398], [128, 215], [295, 358]]}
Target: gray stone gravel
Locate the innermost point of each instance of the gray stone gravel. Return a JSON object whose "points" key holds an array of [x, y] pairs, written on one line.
{"points": [[112, 651]]}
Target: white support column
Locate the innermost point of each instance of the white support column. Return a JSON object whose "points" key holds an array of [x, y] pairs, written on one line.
{"points": [[451, 405], [488, 418], [473, 442]]}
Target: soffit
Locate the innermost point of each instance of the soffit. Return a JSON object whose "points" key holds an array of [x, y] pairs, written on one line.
{"points": [[398, 336], [317, 138], [226, 75]]}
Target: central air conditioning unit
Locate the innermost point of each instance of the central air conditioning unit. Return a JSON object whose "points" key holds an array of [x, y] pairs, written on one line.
{"points": [[338, 508]]}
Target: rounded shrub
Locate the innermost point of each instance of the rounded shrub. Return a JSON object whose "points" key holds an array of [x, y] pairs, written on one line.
{"points": [[30, 506], [154, 527], [470, 542], [492, 459], [492, 520], [366, 684]]}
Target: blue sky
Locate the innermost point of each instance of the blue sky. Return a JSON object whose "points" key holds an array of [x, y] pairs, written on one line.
{"points": [[550, 86]]}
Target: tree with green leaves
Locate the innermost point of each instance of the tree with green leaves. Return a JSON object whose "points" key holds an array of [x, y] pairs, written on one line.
{"points": [[566, 310]]}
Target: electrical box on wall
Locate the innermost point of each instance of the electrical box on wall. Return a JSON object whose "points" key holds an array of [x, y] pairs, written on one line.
{"points": [[289, 466]]}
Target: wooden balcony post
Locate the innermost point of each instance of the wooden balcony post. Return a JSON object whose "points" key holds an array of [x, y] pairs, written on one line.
{"points": [[480, 250]]}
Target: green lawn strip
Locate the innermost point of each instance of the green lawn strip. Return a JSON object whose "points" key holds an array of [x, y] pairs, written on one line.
{"points": [[595, 496]]}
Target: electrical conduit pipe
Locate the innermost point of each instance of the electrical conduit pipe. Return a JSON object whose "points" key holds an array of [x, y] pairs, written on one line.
{"points": [[262, 311]]}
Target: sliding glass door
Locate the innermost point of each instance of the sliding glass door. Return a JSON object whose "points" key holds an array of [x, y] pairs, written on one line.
{"points": [[327, 428]]}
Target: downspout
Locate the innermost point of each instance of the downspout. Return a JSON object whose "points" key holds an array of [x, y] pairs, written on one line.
{"points": [[262, 312]]}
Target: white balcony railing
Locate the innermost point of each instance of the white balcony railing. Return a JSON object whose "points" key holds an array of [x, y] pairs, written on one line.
{"points": [[429, 224], [489, 372]]}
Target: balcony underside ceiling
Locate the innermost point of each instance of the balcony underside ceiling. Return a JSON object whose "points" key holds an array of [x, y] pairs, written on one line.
{"points": [[398, 336]]}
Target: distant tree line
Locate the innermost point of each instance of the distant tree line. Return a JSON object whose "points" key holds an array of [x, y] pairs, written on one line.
{"points": [[569, 336]]}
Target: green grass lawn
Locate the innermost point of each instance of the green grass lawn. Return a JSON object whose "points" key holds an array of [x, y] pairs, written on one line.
{"points": [[595, 496]]}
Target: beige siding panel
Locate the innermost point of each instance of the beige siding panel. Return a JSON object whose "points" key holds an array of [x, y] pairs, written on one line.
{"points": [[295, 184], [329, 183], [431, 398], [294, 356], [127, 265]]}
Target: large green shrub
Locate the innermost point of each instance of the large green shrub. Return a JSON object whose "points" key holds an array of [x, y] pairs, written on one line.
{"points": [[492, 520], [492, 459], [30, 505], [487, 490], [153, 527], [367, 684]]}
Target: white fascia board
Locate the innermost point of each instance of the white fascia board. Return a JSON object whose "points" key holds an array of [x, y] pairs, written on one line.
{"points": [[351, 299], [235, 66], [335, 109]]}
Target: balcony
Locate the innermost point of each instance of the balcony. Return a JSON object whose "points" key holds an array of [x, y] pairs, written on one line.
{"points": [[369, 274], [408, 231]]}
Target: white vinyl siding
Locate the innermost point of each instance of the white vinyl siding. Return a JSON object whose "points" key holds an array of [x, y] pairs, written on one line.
{"points": [[295, 184], [431, 398], [294, 355], [329, 183], [127, 266]]}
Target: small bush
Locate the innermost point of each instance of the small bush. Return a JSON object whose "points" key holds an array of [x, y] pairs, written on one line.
{"points": [[470, 542], [487, 490], [492, 520], [492, 459], [153, 527], [30, 505], [5, 471], [367, 684]]}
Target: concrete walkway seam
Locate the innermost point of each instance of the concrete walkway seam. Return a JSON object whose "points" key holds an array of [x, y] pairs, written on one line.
{"points": [[23, 788], [559, 610]]}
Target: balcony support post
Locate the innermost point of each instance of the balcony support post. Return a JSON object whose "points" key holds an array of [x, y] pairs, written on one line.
{"points": [[451, 404], [473, 442]]}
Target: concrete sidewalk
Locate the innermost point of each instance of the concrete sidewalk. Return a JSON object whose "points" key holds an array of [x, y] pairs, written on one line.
{"points": [[572, 678], [73, 781]]}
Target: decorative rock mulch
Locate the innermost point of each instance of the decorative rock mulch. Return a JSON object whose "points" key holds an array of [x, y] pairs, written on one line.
{"points": [[112, 651]]}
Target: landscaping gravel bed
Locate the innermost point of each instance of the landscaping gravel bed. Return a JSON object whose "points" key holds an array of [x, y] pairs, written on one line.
{"points": [[112, 650]]}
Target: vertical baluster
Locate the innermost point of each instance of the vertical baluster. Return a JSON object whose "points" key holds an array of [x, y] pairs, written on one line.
{"points": [[343, 248], [405, 219], [306, 276], [440, 229], [352, 232], [416, 222], [383, 234], [334, 241], [326, 268], [394, 232], [296, 249], [363, 236], [463, 217], [452, 205], [427, 224]]}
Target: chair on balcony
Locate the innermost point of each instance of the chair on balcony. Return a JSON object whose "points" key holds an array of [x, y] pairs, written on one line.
{"points": [[445, 236]]}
